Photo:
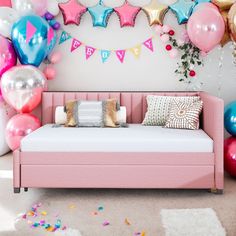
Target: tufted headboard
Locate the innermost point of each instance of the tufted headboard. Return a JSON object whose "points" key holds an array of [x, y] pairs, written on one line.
{"points": [[135, 102]]}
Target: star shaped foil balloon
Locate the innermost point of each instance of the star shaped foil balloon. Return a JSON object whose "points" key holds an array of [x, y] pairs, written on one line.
{"points": [[155, 12], [183, 10], [72, 12], [127, 14], [100, 14]]}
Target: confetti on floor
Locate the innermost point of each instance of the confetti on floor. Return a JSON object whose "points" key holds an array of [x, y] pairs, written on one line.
{"points": [[127, 222], [94, 213], [106, 223], [100, 208], [42, 223], [72, 206]]}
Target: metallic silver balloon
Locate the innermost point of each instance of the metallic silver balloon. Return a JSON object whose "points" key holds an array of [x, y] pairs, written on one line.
{"points": [[23, 7], [8, 16], [22, 87]]}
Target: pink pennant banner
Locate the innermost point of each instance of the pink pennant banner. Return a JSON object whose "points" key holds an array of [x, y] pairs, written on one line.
{"points": [[148, 43], [75, 44], [89, 51], [30, 31], [121, 55], [50, 35]]}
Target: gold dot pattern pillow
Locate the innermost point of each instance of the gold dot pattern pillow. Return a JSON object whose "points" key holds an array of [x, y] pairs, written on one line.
{"points": [[184, 115], [159, 108]]}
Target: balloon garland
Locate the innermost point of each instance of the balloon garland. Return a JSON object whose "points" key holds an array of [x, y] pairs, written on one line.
{"points": [[28, 33]]}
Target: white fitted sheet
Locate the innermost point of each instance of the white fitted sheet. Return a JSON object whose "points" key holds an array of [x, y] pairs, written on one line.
{"points": [[135, 138]]}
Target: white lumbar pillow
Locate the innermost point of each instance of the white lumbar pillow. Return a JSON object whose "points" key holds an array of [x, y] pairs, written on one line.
{"points": [[6, 112], [60, 115]]}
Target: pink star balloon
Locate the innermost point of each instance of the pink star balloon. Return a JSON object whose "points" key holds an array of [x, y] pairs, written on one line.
{"points": [[72, 12], [127, 14]]}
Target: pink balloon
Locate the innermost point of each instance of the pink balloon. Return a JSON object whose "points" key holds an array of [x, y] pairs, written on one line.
{"points": [[39, 6], [158, 29], [173, 53], [166, 28], [18, 127], [206, 28], [165, 38], [55, 57], [8, 57], [50, 72]]}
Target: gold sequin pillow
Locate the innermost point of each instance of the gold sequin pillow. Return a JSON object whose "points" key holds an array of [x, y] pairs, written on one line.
{"points": [[92, 113], [184, 115]]}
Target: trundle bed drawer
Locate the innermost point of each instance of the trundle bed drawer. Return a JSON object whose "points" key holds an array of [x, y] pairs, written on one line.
{"points": [[116, 176]]}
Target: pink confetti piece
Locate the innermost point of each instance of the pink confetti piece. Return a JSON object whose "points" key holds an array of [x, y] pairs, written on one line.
{"points": [[64, 228], [106, 223], [137, 233], [56, 214], [42, 222], [24, 216]]}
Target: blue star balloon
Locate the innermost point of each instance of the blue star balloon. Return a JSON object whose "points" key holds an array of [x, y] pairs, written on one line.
{"points": [[183, 10], [100, 14], [202, 1]]}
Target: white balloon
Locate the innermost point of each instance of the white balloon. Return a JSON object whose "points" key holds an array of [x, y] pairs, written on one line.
{"points": [[7, 17], [23, 7], [53, 7]]}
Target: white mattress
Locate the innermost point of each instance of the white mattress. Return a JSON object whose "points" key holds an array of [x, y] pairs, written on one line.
{"points": [[135, 138]]}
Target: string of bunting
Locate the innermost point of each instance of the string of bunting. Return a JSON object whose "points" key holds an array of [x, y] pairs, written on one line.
{"points": [[105, 54]]}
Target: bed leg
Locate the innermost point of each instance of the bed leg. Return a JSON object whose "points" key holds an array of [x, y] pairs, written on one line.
{"points": [[26, 189], [217, 191], [16, 190]]}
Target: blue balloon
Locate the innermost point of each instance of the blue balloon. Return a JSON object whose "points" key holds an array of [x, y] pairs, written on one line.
{"points": [[230, 118], [183, 10], [30, 39], [100, 14]]}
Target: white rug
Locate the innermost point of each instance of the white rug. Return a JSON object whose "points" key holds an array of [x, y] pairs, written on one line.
{"points": [[191, 222]]}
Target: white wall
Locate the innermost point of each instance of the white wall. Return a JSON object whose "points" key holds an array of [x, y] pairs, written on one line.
{"points": [[152, 72]]}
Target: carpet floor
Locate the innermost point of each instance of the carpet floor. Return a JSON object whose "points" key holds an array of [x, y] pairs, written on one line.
{"points": [[76, 207]]}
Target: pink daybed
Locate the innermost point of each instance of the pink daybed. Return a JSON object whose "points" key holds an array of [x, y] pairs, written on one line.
{"points": [[134, 157]]}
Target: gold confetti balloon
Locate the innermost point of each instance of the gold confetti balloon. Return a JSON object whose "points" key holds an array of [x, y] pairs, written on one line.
{"points": [[223, 4], [232, 22], [226, 38]]}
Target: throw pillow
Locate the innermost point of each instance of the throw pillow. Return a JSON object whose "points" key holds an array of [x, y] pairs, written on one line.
{"points": [[91, 113], [159, 108], [184, 115]]}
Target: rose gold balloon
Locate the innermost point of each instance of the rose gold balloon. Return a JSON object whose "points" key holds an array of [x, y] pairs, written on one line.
{"points": [[226, 37], [50, 72], [18, 127], [223, 4], [206, 28], [22, 87], [232, 22]]}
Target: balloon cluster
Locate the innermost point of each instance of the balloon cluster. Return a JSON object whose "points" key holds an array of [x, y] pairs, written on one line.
{"points": [[26, 35], [230, 143], [49, 17]]}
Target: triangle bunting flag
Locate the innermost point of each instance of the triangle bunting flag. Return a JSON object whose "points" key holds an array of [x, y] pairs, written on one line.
{"points": [[64, 37]]}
